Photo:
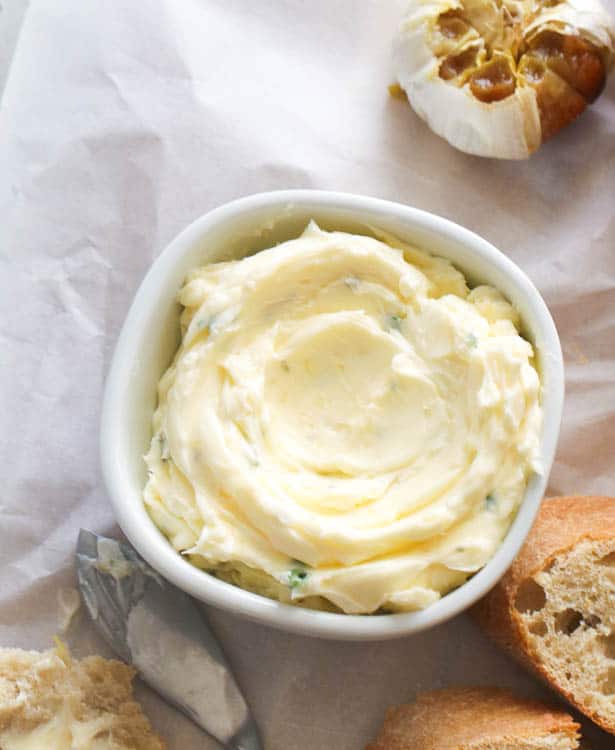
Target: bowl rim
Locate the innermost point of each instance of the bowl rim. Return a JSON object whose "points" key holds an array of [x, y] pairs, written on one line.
{"points": [[156, 549]]}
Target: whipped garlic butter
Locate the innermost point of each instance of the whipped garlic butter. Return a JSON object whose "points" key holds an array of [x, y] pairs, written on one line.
{"points": [[345, 424]]}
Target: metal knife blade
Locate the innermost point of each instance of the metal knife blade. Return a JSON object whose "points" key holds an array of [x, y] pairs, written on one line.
{"points": [[153, 625]]}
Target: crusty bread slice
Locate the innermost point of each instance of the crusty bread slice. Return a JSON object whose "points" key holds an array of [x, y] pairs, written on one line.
{"points": [[49, 700], [555, 608], [476, 718]]}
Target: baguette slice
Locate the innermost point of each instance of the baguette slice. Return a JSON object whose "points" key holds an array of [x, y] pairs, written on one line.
{"points": [[555, 608], [476, 718], [50, 701]]}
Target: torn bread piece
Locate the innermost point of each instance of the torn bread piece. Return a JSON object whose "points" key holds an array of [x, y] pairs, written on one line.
{"points": [[52, 701], [555, 608], [476, 718]]}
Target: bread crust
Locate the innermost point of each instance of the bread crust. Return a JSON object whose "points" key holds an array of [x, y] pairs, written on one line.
{"points": [[561, 524], [467, 717]]}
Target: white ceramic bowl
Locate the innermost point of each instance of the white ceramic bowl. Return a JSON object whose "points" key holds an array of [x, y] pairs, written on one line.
{"points": [[150, 337]]}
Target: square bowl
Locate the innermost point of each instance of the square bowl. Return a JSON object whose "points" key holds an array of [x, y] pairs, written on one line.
{"points": [[150, 337]]}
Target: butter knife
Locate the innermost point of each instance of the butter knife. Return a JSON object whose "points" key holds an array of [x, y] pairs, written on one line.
{"points": [[154, 626]]}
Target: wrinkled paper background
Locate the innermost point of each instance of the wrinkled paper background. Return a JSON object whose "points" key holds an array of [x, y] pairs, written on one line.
{"points": [[122, 122]]}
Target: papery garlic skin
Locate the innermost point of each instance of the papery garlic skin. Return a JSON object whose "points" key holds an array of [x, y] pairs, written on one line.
{"points": [[533, 102], [586, 17]]}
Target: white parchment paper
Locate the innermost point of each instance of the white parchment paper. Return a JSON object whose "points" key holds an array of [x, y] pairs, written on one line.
{"points": [[121, 122]]}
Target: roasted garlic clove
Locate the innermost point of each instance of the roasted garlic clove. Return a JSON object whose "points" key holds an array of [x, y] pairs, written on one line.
{"points": [[498, 77]]}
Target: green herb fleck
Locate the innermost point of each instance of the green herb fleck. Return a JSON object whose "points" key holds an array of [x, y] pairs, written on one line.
{"points": [[471, 341], [284, 365], [460, 549], [251, 454], [164, 447], [352, 283], [490, 502], [208, 324], [394, 321], [296, 577]]}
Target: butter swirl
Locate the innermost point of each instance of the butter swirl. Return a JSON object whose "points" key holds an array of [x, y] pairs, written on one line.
{"points": [[345, 423]]}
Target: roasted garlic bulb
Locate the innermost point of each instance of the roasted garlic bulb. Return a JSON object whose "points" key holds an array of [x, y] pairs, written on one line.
{"points": [[498, 77]]}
